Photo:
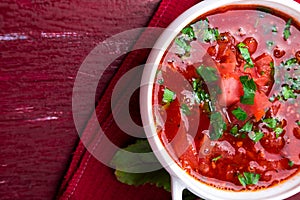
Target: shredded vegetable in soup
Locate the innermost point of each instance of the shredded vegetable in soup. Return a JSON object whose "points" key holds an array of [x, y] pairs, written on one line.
{"points": [[226, 98]]}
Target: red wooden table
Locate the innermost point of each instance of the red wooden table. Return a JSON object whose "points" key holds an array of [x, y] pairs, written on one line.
{"points": [[42, 45]]}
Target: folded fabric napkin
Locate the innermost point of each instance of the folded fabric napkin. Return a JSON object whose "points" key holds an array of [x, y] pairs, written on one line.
{"points": [[87, 178]]}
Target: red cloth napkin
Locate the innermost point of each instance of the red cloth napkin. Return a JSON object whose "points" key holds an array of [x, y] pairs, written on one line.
{"points": [[87, 178]]}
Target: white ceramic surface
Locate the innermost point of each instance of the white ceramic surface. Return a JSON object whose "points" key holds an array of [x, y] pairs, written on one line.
{"points": [[180, 179]]}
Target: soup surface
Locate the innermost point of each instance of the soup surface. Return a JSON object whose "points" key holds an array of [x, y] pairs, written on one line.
{"points": [[226, 98]]}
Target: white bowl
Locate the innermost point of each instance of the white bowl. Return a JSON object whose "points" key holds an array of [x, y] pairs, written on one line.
{"points": [[180, 179]]}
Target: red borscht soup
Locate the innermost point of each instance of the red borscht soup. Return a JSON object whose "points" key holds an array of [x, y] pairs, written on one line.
{"points": [[226, 98]]}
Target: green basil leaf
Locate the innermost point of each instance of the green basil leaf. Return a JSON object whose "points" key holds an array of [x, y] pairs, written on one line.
{"points": [[168, 96], [240, 114], [122, 160], [246, 55], [255, 136], [287, 31], [249, 88]]}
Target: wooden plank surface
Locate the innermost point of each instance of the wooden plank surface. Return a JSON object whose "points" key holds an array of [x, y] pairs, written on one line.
{"points": [[42, 44]]}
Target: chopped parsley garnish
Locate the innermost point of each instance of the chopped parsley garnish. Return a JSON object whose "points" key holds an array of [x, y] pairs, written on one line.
{"points": [[168, 96], [247, 127], [189, 32], [298, 123], [200, 94], [203, 32], [274, 124], [160, 81], [218, 126], [185, 109], [249, 88], [287, 31], [234, 131], [211, 34], [159, 77], [255, 136], [274, 29], [209, 74], [216, 158], [295, 83], [278, 131], [248, 178], [183, 45], [246, 55], [269, 44], [290, 62], [291, 163], [270, 122], [240, 114], [288, 93]]}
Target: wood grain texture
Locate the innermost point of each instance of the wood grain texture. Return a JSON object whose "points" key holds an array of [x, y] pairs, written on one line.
{"points": [[42, 44]]}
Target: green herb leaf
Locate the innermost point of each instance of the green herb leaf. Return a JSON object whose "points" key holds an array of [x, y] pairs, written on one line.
{"points": [[249, 88], [298, 123], [216, 158], [160, 178], [291, 163], [255, 136], [218, 126], [240, 114], [287, 31], [278, 131], [200, 94], [269, 44], [210, 34], [270, 122], [185, 109], [247, 127], [290, 62], [159, 77], [288, 92], [246, 55], [234, 131], [209, 74], [182, 44], [168, 96], [189, 32], [274, 29], [248, 178]]}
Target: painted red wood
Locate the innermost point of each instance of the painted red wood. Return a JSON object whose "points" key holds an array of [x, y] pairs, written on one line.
{"points": [[42, 44]]}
